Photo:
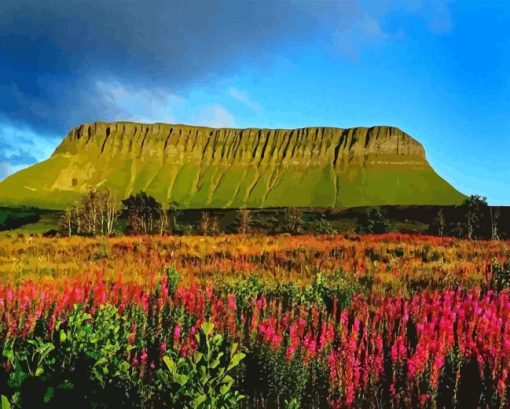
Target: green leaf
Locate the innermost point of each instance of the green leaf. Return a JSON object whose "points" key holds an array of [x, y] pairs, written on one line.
{"points": [[199, 400], [170, 364], [228, 379], [48, 395], [180, 379], [63, 336], [39, 371], [207, 328], [236, 359], [224, 389], [5, 403], [216, 362], [197, 357]]}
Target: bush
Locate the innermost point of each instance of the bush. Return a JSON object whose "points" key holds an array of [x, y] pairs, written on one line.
{"points": [[500, 276], [203, 380], [373, 222], [323, 226]]}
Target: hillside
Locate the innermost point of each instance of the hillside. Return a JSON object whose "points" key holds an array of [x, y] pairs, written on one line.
{"points": [[200, 167]]}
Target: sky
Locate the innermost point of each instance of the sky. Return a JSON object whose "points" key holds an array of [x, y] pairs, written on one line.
{"points": [[437, 69]]}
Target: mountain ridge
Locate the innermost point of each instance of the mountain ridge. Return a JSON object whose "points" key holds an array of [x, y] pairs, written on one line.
{"points": [[201, 167]]}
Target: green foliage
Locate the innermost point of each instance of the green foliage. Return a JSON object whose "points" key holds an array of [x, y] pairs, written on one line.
{"points": [[323, 226], [11, 219], [500, 276], [173, 277], [100, 340], [143, 213], [292, 404], [247, 290], [475, 208], [373, 221], [292, 220], [31, 359], [5, 402], [325, 289], [203, 380]]}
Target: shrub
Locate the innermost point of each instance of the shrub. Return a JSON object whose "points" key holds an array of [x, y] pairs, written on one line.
{"points": [[500, 275], [203, 380], [372, 221], [323, 226]]}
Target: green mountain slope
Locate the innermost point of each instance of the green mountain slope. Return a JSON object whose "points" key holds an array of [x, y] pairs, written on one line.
{"points": [[200, 167]]}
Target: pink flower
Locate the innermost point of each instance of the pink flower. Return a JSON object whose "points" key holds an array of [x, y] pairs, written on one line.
{"points": [[143, 357], [177, 333]]}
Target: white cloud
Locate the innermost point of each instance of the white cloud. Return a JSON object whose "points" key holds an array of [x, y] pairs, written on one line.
{"points": [[137, 104], [5, 170], [244, 99], [156, 105], [216, 116]]}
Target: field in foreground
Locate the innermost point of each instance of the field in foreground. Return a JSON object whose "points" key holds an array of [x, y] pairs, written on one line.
{"points": [[391, 321]]}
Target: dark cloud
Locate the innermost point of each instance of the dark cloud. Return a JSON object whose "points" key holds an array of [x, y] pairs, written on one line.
{"points": [[52, 53]]}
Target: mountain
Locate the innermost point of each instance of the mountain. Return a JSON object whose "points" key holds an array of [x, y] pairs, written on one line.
{"points": [[200, 167]]}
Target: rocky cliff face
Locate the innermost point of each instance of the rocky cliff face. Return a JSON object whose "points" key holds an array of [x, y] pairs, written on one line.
{"points": [[205, 167]]}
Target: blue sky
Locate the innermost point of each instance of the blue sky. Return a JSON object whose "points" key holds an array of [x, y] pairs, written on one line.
{"points": [[439, 70]]}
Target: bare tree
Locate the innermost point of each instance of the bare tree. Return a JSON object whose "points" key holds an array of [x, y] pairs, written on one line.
{"points": [[163, 220], [94, 214], [66, 225], [495, 214], [244, 219], [91, 212], [293, 220], [204, 225], [214, 227], [440, 222], [76, 214], [109, 212]]}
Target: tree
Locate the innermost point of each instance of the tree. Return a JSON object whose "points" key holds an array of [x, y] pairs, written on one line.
{"points": [[440, 223], [204, 225], [163, 220], [372, 221], [90, 210], [95, 214], [76, 214], [495, 214], [474, 209], [208, 225], [143, 213], [108, 204], [214, 228], [65, 224], [244, 220], [174, 213], [293, 220]]}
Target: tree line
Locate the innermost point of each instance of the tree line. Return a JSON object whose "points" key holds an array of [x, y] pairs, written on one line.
{"points": [[474, 219], [100, 212], [477, 220]]}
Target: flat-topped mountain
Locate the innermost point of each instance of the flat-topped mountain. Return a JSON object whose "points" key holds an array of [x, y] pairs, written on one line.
{"points": [[199, 167]]}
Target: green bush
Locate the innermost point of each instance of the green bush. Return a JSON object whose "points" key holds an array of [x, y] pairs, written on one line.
{"points": [[203, 380], [500, 276]]}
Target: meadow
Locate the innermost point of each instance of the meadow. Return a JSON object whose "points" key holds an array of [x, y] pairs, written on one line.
{"points": [[375, 321]]}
